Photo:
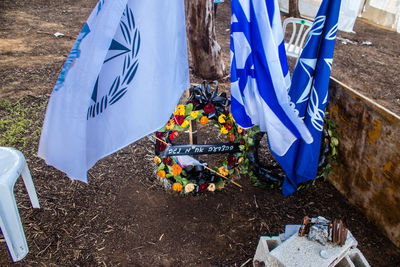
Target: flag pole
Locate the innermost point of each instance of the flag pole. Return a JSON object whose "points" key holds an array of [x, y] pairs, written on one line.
{"points": [[190, 123]]}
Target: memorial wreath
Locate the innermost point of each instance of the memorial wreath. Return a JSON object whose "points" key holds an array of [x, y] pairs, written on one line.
{"points": [[183, 173]]}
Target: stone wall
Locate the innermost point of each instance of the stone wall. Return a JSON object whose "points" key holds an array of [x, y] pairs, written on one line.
{"points": [[368, 173]]}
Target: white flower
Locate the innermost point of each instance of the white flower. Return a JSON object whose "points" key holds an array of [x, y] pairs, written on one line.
{"points": [[189, 188], [211, 187]]}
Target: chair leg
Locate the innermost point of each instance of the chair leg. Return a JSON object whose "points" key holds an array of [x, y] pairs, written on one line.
{"points": [[30, 187], [11, 225]]}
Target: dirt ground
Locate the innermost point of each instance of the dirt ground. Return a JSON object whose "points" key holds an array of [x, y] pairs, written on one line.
{"points": [[122, 217]]}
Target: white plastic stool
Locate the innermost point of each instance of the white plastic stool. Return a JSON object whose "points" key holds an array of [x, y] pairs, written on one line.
{"points": [[12, 165]]}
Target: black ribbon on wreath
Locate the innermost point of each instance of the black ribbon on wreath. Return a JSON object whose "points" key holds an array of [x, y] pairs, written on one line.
{"points": [[275, 173], [205, 96]]}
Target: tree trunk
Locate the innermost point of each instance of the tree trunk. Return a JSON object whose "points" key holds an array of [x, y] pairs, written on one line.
{"points": [[294, 9], [203, 46]]}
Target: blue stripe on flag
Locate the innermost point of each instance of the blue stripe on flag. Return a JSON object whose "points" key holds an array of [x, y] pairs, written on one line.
{"points": [[309, 92], [259, 73]]}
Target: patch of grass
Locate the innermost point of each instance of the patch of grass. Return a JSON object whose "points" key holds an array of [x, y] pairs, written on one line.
{"points": [[19, 123]]}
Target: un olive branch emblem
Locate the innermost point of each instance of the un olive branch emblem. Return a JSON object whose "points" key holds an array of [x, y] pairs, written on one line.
{"points": [[129, 50]]}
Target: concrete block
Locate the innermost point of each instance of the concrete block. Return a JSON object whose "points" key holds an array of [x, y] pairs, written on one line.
{"points": [[354, 258], [357, 258], [265, 245], [299, 251], [345, 262], [291, 229]]}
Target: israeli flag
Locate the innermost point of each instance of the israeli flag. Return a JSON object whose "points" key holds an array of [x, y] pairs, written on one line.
{"points": [[260, 75], [309, 94], [121, 81]]}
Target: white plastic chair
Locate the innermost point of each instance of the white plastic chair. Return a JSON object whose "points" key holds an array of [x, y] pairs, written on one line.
{"points": [[12, 165], [300, 30]]}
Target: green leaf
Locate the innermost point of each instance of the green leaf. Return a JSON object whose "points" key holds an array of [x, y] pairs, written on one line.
{"points": [[185, 182], [189, 108], [241, 147], [163, 129], [161, 167], [249, 141], [178, 128], [169, 175], [334, 151], [178, 179], [334, 141]]}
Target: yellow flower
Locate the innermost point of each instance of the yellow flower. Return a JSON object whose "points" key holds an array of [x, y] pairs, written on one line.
{"points": [[180, 110], [221, 118], [157, 160], [203, 120], [240, 129], [223, 171], [194, 114], [177, 187], [170, 125], [161, 174], [185, 124], [211, 187], [189, 188], [240, 160], [224, 130]]}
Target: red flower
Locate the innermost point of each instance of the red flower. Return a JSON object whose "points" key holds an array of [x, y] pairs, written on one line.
{"points": [[193, 102], [173, 135], [160, 145], [209, 108], [167, 160], [179, 119], [231, 160], [203, 187], [242, 141], [228, 126], [160, 135], [231, 137]]}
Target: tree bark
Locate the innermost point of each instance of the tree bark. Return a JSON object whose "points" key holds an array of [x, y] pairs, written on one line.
{"points": [[294, 9], [203, 46]]}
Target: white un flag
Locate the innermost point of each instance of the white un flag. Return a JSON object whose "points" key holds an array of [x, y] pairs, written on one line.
{"points": [[260, 75], [122, 80]]}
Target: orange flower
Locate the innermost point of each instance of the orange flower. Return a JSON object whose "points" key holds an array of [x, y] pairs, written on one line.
{"points": [[161, 174], [176, 170], [177, 187], [231, 137], [239, 129], [203, 120]]}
